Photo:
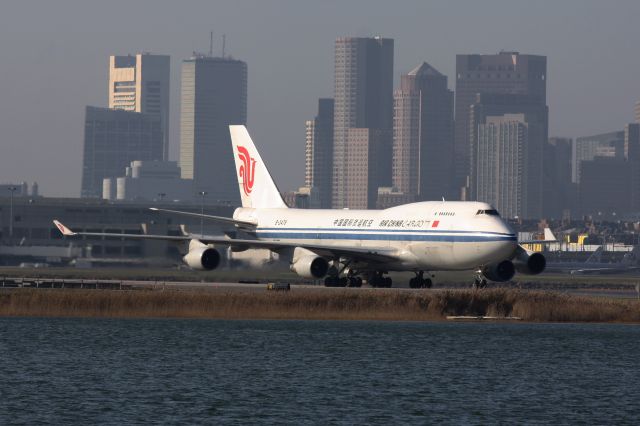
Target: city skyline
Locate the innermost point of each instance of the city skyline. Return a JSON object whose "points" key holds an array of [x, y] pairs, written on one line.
{"points": [[213, 95], [65, 72]]}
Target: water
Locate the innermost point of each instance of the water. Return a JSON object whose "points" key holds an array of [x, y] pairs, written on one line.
{"points": [[101, 371]]}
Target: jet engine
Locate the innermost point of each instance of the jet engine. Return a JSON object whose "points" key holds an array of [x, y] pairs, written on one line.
{"points": [[529, 262], [202, 258], [310, 266], [500, 272]]}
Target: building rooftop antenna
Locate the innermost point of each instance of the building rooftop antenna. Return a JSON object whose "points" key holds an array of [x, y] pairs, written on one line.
{"points": [[211, 44]]}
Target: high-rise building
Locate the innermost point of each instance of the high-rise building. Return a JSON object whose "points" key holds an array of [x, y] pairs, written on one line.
{"points": [[632, 142], [504, 73], [606, 169], [112, 140], [140, 83], [608, 187], [559, 197], [365, 153], [423, 134], [363, 99], [214, 96], [586, 148], [319, 152], [489, 104], [509, 165]]}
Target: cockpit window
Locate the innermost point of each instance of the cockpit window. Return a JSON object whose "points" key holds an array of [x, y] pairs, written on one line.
{"points": [[491, 212]]}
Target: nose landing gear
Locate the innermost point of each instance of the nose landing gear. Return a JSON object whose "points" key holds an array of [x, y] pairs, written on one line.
{"points": [[479, 282]]}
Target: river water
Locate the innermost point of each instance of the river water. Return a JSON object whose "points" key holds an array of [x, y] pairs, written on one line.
{"points": [[157, 371]]}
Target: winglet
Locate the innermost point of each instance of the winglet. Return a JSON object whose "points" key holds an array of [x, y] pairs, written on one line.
{"points": [[65, 231]]}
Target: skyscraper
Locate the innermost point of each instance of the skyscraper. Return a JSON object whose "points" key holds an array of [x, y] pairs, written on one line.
{"points": [[140, 83], [112, 140], [319, 152], [364, 155], [490, 104], [560, 195], [509, 166], [363, 100], [504, 73], [586, 148], [214, 95], [423, 134], [632, 142], [607, 187]]}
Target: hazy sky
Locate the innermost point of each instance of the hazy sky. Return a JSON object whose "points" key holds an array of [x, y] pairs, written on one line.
{"points": [[54, 60]]}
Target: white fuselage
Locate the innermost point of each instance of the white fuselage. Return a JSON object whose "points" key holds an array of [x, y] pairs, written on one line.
{"points": [[431, 235]]}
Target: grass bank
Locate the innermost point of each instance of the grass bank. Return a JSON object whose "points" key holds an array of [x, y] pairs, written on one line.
{"points": [[362, 304]]}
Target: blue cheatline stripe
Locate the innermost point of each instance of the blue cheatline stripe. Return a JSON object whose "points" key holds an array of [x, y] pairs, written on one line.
{"points": [[385, 237], [378, 230]]}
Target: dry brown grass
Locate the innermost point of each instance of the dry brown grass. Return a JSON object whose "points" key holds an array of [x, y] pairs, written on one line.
{"points": [[352, 305]]}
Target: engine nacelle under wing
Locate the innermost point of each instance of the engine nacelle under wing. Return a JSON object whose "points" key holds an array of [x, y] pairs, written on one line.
{"points": [[500, 272], [529, 262], [202, 258], [310, 266]]}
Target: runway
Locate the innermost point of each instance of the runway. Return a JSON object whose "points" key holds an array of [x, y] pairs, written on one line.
{"points": [[593, 289]]}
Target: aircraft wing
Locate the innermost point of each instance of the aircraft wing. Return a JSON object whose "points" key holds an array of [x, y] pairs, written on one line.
{"points": [[221, 219], [379, 255], [596, 271], [548, 238], [69, 233]]}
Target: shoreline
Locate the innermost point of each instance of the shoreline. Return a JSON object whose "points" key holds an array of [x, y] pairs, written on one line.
{"points": [[297, 304]]}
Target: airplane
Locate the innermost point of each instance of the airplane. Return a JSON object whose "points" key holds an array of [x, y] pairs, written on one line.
{"points": [[595, 265], [345, 247]]}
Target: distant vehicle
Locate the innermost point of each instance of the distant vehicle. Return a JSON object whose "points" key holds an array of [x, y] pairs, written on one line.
{"points": [[594, 264], [344, 246]]}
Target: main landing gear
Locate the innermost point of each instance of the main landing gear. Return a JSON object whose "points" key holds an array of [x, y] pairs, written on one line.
{"points": [[377, 279], [347, 277], [419, 281], [335, 281]]}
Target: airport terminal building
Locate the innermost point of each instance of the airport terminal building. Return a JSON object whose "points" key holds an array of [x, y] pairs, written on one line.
{"points": [[27, 233]]}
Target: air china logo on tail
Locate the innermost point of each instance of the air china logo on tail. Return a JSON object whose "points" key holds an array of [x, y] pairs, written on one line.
{"points": [[246, 170]]}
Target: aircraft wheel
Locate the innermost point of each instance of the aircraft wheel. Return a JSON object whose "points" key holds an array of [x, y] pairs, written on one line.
{"points": [[388, 282], [342, 282], [413, 283], [427, 283], [331, 281]]}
